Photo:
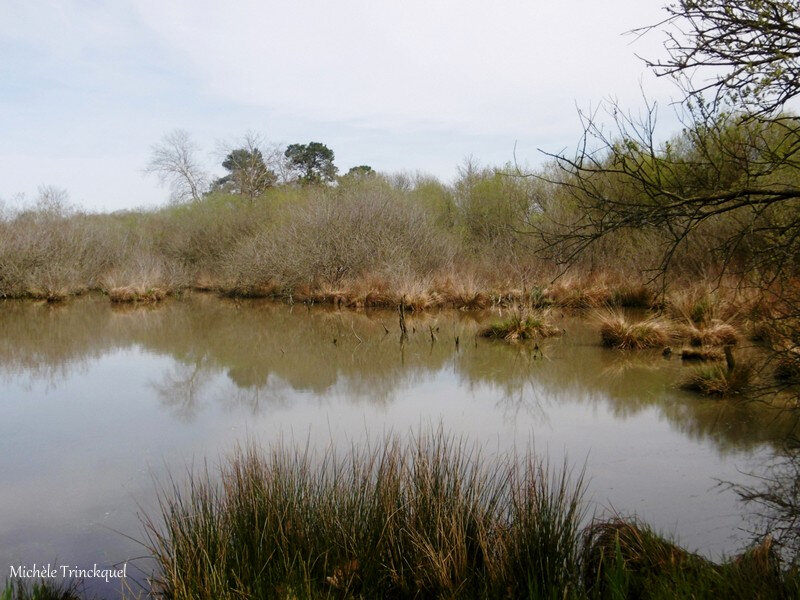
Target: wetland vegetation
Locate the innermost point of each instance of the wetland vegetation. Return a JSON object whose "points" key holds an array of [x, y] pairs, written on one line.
{"points": [[256, 360], [693, 243]]}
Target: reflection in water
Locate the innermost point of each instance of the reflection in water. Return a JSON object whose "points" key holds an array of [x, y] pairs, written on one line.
{"points": [[182, 387], [98, 399], [262, 349], [774, 497]]}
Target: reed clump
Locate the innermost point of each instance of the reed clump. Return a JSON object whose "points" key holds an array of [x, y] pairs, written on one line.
{"points": [[633, 296], [521, 326], [715, 333], [718, 380], [428, 519], [132, 293], [700, 304], [581, 292], [617, 331]]}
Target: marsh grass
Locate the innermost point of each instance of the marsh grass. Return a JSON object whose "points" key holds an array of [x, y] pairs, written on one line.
{"points": [[718, 379], [617, 331], [132, 293], [521, 326], [633, 296], [627, 559], [700, 304], [715, 333], [429, 518], [40, 590]]}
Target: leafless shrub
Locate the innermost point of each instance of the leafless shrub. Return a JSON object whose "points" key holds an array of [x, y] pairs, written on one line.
{"points": [[51, 251], [343, 234]]}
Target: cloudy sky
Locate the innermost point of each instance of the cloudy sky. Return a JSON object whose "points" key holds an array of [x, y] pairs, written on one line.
{"points": [[87, 86]]}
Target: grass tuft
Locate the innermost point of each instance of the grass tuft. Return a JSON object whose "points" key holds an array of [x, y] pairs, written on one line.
{"points": [[715, 333], [426, 519], [521, 326], [626, 559], [40, 590], [633, 296], [136, 294], [616, 331], [718, 380]]}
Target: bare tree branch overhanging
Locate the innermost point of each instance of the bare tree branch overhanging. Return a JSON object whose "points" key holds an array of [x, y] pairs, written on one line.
{"points": [[721, 198], [737, 157], [744, 54]]}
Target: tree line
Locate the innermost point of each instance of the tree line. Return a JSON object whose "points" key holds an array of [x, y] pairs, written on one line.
{"points": [[251, 166]]}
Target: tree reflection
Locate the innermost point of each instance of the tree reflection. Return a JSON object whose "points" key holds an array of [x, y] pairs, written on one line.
{"points": [[259, 354], [775, 499], [181, 388]]}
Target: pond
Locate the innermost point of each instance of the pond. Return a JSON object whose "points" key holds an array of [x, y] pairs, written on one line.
{"points": [[101, 402]]}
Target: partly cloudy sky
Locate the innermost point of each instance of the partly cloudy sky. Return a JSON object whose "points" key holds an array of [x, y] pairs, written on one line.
{"points": [[87, 86]]}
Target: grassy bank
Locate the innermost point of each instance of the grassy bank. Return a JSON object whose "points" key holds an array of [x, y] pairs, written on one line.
{"points": [[429, 519]]}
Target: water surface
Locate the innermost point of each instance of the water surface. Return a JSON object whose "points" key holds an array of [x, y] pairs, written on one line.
{"points": [[98, 401]]}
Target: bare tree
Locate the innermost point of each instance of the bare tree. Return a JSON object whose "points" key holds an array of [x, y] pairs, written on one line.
{"points": [[729, 181], [275, 158], [174, 162], [738, 155], [744, 53]]}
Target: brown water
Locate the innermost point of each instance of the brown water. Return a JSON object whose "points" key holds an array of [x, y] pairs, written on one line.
{"points": [[98, 401]]}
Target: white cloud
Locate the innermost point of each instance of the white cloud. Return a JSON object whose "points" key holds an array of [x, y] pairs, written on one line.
{"points": [[86, 87], [477, 67]]}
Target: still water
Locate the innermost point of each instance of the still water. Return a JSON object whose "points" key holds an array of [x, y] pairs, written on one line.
{"points": [[99, 402]]}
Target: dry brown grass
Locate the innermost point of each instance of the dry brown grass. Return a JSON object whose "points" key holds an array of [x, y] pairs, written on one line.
{"points": [[702, 304], [715, 333], [580, 292], [616, 331], [132, 293]]}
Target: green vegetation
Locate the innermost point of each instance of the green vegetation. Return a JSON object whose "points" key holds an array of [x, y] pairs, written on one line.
{"points": [[430, 519], [718, 380], [628, 560], [314, 162], [616, 331], [426, 519], [521, 326], [248, 174], [40, 590]]}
